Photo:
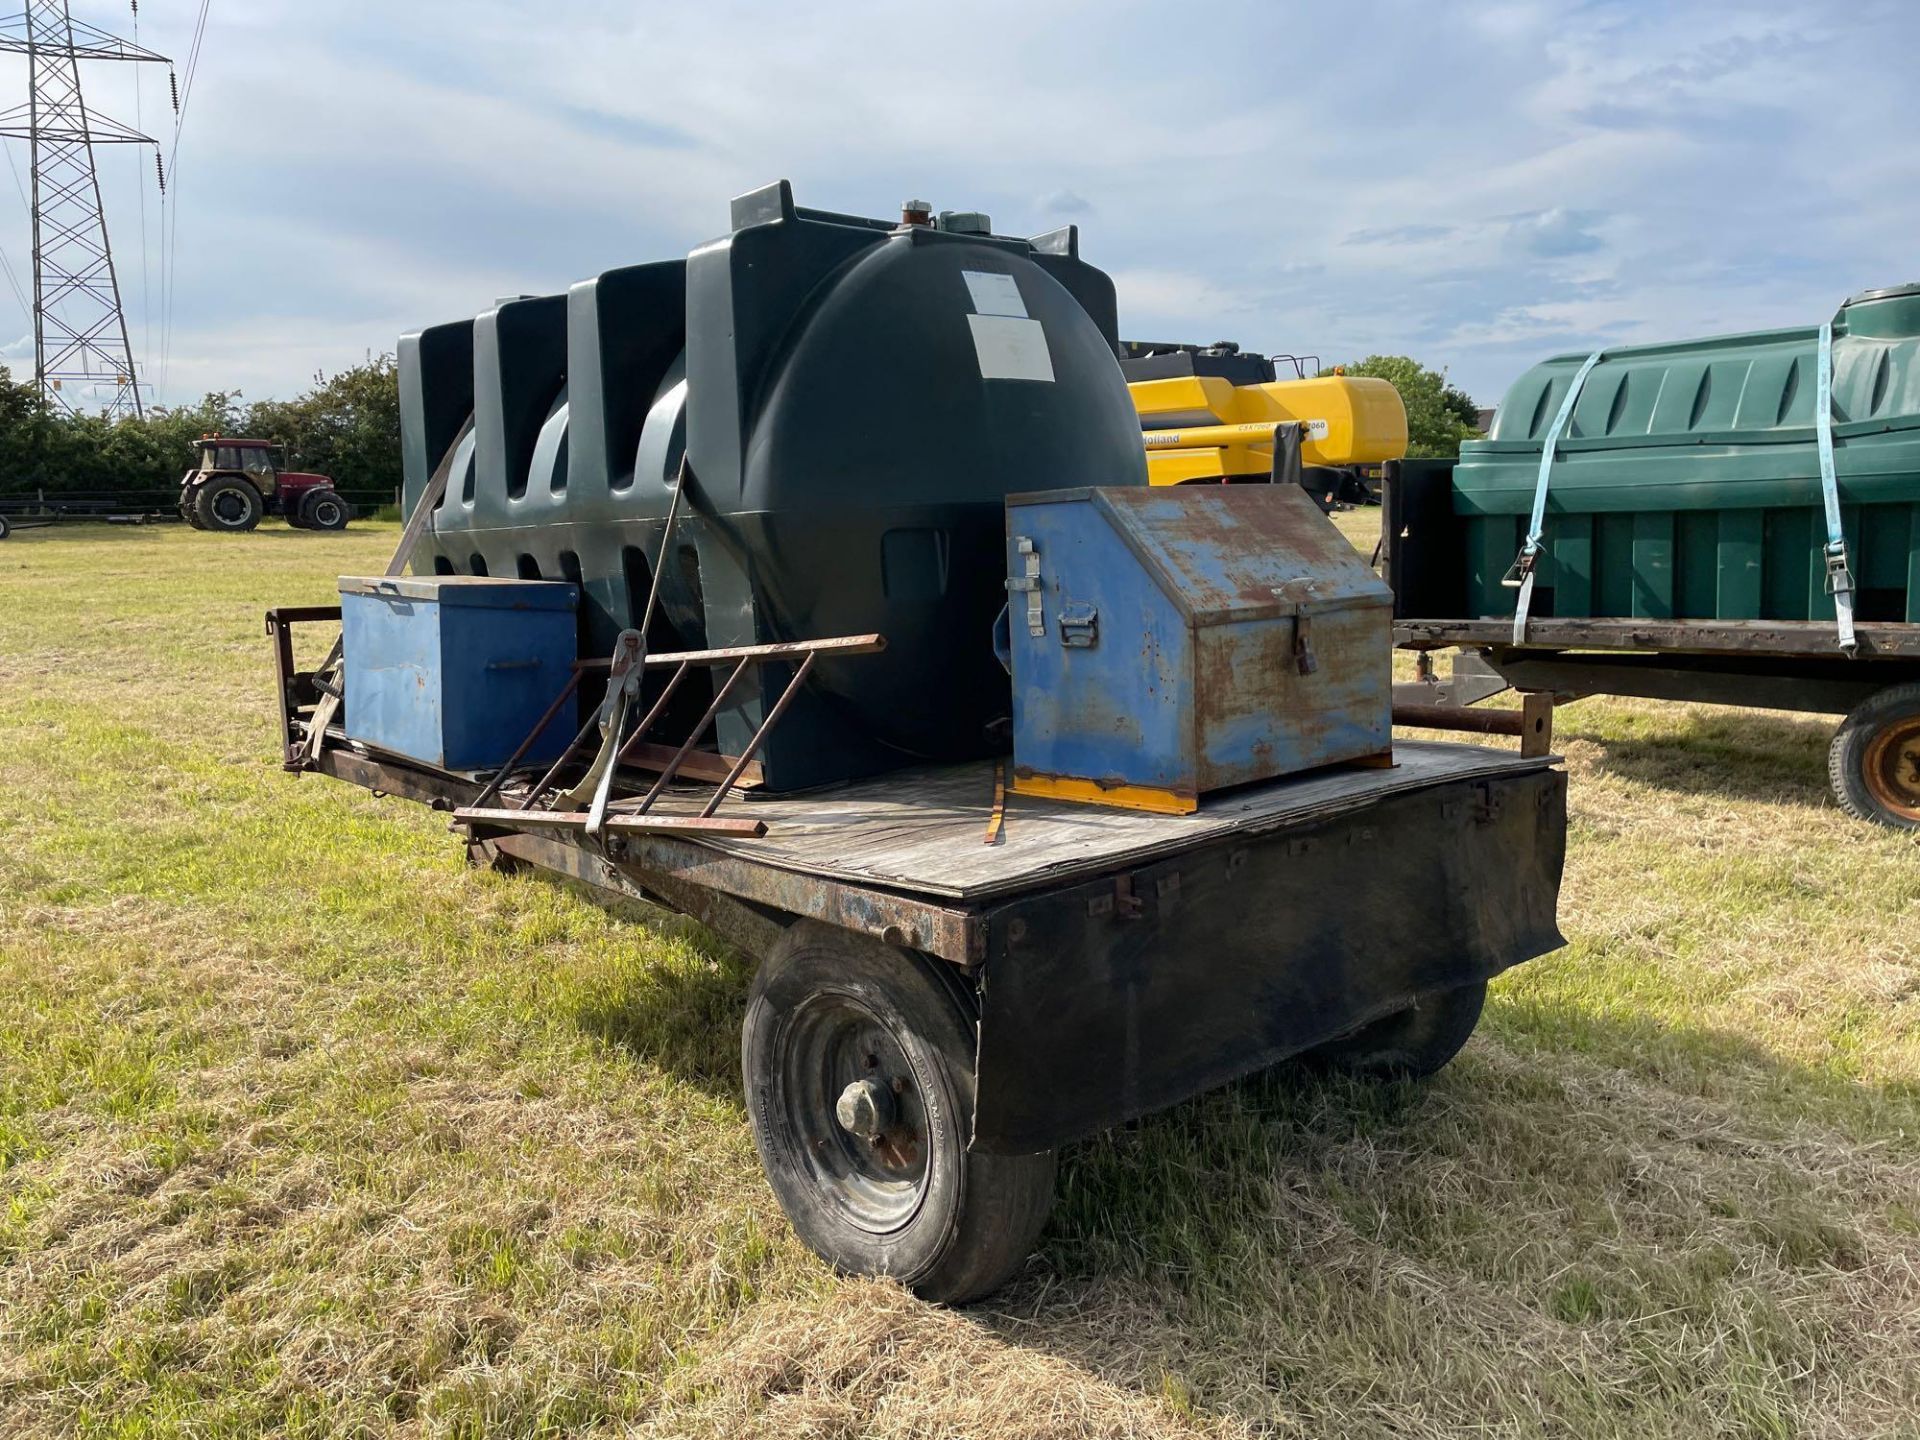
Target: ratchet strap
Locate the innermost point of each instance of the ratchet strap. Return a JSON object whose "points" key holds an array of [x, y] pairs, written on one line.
{"points": [[1839, 573], [1521, 574]]}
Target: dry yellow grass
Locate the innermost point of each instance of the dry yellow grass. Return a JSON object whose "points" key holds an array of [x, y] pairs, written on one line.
{"points": [[307, 1129]]}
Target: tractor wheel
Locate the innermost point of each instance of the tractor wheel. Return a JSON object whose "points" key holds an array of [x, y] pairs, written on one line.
{"points": [[5, 528], [324, 510], [1874, 760], [1410, 1044], [860, 1089], [227, 505]]}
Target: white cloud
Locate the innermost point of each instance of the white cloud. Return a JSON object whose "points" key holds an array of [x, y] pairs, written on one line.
{"points": [[1476, 185]]}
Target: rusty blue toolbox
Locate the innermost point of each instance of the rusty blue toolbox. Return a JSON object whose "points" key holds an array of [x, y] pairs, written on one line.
{"points": [[1173, 640], [454, 670]]}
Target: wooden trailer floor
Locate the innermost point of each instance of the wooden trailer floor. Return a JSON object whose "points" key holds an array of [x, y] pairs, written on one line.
{"points": [[925, 830]]}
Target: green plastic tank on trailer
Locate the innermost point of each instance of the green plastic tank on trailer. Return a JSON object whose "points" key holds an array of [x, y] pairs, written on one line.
{"points": [[1684, 552], [1687, 479]]}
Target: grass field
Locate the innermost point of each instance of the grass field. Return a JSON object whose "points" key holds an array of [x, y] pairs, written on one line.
{"points": [[307, 1129]]}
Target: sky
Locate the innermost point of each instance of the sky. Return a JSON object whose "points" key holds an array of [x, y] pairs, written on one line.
{"points": [[1479, 184]]}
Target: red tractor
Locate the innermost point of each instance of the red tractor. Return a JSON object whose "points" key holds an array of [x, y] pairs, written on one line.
{"points": [[238, 481]]}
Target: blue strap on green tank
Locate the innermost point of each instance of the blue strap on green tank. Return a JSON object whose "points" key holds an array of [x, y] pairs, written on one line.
{"points": [[1522, 572], [1839, 573]]}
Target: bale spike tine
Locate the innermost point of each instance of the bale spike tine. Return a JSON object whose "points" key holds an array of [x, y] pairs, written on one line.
{"points": [[659, 707], [673, 765], [760, 735], [666, 539], [539, 729], [593, 723]]}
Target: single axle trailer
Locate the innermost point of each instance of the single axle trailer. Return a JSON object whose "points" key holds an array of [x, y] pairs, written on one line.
{"points": [[954, 982]]}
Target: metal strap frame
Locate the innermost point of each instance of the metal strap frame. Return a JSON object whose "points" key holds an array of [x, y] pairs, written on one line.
{"points": [[1522, 573], [1839, 572], [632, 814]]}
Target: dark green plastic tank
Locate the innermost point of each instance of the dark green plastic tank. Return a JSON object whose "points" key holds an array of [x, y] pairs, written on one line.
{"points": [[855, 398], [1688, 482]]}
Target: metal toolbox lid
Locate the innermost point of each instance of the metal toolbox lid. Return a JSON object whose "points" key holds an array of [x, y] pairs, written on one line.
{"points": [[1229, 553], [477, 592]]}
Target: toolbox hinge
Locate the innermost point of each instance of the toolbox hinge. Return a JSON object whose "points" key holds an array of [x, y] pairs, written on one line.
{"points": [[1029, 583]]}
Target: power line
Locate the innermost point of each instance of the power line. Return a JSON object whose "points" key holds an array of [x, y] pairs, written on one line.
{"points": [[13, 282], [140, 184], [170, 216], [26, 305]]}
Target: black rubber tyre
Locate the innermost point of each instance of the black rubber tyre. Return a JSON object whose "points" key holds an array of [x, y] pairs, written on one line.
{"points": [[294, 522], [324, 510], [1413, 1043], [1874, 760], [830, 1013], [5, 528], [231, 505]]}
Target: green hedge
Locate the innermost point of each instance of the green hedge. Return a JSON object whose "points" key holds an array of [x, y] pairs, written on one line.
{"points": [[347, 426]]}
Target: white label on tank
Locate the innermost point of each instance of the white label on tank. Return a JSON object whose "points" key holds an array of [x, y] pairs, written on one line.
{"points": [[1010, 348], [1316, 429], [994, 293]]}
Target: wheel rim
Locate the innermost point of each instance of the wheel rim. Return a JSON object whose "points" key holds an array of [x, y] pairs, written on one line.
{"points": [[1892, 767], [876, 1181], [230, 507], [326, 513]]}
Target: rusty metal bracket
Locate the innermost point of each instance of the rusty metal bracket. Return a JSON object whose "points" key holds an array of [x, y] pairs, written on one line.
{"points": [[1487, 803], [997, 818]]}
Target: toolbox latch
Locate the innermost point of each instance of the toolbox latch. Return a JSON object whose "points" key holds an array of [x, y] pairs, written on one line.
{"points": [[1300, 592]]}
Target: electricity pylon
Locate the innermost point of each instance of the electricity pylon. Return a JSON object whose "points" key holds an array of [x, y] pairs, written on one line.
{"points": [[80, 346]]}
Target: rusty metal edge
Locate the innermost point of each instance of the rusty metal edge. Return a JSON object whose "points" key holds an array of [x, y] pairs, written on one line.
{"points": [[616, 823], [658, 863], [734, 921], [1745, 637]]}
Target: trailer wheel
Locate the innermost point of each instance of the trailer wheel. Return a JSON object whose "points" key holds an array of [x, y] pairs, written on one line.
{"points": [[1412, 1043], [232, 505], [1874, 760], [858, 1060]]}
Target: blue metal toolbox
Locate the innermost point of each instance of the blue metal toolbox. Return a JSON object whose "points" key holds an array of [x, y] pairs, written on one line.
{"points": [[454, 670], [1169, 641]]}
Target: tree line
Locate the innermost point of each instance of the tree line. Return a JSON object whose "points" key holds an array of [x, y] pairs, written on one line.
{"points": [[346, 426]]}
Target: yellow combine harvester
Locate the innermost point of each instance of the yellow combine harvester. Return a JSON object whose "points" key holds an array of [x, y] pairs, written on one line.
{"points": [[1210, 415]]}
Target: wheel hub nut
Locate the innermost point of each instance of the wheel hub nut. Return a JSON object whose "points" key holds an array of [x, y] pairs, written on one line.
{"points": [[865, 1109]]}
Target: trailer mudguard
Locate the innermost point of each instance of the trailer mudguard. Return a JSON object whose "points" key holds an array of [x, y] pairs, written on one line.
{"points": [[1116, 998]]}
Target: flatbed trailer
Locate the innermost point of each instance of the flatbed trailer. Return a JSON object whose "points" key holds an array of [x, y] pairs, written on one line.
{"points": [[935, 1012], [44, 518], [1873, 760]]}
